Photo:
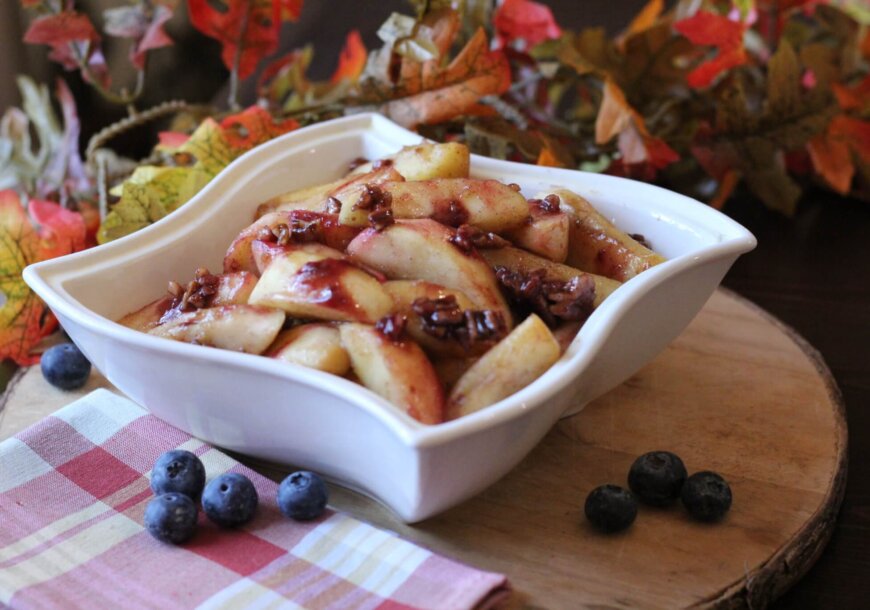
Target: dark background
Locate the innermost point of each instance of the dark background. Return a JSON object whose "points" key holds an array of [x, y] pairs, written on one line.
{"points": [[811, 271]]}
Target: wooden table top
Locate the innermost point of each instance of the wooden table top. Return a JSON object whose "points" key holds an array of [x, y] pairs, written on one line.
{"points": [[813, 273]]}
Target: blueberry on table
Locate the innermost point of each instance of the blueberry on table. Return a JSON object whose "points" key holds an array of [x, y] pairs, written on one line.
{"points": [[302, 496], [611, 508], [230, 500], [657, 478], [64, 366], [179, 471], [707, 496], [171, 518]]}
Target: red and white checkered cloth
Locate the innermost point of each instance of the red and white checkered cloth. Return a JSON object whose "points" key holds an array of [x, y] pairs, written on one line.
{"points": [[73, 490]]}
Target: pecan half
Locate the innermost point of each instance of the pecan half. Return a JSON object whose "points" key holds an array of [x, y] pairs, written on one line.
{"points": [[555, 301]]}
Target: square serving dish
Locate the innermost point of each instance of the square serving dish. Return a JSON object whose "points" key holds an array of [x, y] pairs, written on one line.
{"points": [[292, 415]]}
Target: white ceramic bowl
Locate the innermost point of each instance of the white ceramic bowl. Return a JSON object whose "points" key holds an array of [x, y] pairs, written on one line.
{"points": [[293, 415]]}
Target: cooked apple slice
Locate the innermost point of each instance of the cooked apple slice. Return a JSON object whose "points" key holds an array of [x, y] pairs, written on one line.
{"points": [[317, 198], [299, 226], [511, 365], [450, 370], [426, 161], [234, 288], [486, 204], [422, 250], [317, 346], [397, 370], [226, 289], [526, 262], [545, 232], [241, 328], [149, 316], [597, 246], [315, 281]]}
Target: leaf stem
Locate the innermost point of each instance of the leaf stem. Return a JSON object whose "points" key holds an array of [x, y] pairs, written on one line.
{"points": [[233, 101]]}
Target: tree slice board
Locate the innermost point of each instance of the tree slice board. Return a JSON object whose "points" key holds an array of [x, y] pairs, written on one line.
{"points": [[737, 393]]}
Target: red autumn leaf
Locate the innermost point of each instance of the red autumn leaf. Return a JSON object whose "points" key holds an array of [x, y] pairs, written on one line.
{"points": [[247, 29], [855, 97], [435, 94], [709, 29], [290, 10], [64, 32], [253, 126], [24, 319], [352, 59], [62, 230], [616, 117], [832, 161], [523, 20], [831, 152]]}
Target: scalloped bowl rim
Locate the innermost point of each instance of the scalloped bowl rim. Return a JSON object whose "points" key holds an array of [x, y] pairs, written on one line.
{"points": [[47, 279]]}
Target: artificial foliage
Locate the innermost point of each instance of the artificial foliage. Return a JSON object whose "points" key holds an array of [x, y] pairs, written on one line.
{"points": [[701, 97]]}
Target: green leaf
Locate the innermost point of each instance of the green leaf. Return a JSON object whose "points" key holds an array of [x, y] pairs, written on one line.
{"points": [[210, 148], [783, 82], [775, 188], [144, 202]]}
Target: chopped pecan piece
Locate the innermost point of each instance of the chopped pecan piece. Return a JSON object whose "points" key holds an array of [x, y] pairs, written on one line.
{"points": [[373, 196], [640, 239], [442, 318], [380, 218], [553, 300], [468, 237], [392, 326], [333, 205]]}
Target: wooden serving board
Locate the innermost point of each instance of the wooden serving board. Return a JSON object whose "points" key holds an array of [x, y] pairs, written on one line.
{"points": [[737, 393]]}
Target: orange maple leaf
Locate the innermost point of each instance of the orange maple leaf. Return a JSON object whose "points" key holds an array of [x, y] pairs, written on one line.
{"points": [[24, 318], [352, 59], [616, 118], [831, 152], [434, 94], [254, 126]]}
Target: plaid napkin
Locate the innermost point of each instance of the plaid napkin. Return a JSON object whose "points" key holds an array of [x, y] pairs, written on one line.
{"points": [[73, 490]]}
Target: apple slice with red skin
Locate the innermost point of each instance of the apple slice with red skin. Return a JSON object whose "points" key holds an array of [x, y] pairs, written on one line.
{"points": [[487, 204], [317, 198], [521, 261], [397, 370], [423, 250], [597, 246], [545, 232], [303, 226], [232, 289], [241, 328], [315, 281]]}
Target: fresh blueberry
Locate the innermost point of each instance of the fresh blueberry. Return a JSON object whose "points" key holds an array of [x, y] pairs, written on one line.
{"points": [[657, 478], [230, 499], [179, 471], [171, 518], [302, 496], [611, 508], [64, 366], [706, 496]]}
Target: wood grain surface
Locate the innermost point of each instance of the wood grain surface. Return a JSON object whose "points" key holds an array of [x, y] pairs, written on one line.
{"points": [[736, 393]]}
